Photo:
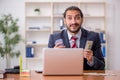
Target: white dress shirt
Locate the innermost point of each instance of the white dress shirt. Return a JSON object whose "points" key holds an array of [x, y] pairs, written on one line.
{"points": [[78, 35]]}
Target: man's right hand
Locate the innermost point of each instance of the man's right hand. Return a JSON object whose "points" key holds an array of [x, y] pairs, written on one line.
{"points": [[59, 45]]}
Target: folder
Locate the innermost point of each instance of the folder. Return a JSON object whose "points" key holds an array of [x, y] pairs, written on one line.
{"points": [[29, 52]]}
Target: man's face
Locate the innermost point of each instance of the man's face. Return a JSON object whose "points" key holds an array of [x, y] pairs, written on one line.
{"points": [[73, 21]]}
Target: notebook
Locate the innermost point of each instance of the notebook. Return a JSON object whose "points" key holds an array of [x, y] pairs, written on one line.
{"points": [[62, 61]]}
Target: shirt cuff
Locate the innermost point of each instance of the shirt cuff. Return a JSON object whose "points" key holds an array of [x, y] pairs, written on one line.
{"points": [[91, 63]]}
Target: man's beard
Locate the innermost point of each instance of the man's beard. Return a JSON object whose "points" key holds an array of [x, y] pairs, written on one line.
{"points": [[76, 31]]}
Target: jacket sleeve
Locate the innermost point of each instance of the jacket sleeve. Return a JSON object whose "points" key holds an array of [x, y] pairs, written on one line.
{"points": [[99, 63], [51, 42]]}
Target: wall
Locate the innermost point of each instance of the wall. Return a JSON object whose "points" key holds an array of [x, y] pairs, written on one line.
{"points": [[113, 34], [16, 8]]}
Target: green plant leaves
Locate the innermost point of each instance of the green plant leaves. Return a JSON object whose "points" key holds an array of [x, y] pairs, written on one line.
{"points": [[9, 30]]}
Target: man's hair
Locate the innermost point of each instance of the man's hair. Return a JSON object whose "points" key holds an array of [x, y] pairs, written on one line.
{"points": [[73, 8]]}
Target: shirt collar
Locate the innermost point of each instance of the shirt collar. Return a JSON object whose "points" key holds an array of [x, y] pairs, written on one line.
{"points": [[78, 35]]}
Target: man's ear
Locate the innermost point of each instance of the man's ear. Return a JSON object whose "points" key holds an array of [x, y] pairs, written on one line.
{"points": [[82, 20], [64, 21]]}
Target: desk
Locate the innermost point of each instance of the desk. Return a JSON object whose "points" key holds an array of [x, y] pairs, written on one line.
{"points": [[39, 76]]}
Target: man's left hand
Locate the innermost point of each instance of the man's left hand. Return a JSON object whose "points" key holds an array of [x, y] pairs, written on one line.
{"points": [[88, 54]]}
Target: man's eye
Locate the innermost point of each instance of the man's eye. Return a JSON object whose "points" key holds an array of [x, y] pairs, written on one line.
{"points": [[77, 18], [69, 18]]}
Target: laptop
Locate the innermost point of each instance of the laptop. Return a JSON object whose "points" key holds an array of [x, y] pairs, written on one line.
{"points": [[62, 61]]}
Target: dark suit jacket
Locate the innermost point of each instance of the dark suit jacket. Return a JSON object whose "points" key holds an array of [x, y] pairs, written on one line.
{"points": [[99, 63]]}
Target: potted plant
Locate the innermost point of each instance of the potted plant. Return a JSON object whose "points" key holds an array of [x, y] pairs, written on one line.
{"points": [[9, 38], [37, 11]]}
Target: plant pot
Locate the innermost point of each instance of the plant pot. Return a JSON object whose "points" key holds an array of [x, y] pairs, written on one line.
{"points": [[37, 13]]}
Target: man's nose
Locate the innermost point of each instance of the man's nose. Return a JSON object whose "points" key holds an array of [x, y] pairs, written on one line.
{"points": [[73, 20]]}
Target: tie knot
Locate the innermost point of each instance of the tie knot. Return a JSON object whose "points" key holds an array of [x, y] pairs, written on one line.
{"points": [[74, 38]]}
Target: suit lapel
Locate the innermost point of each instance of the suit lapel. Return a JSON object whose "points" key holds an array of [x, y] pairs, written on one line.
{"points": [[65, 39], [83, 38]]}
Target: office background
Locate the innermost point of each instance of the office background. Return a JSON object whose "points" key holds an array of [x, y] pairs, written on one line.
{"points": [[17, 9]]}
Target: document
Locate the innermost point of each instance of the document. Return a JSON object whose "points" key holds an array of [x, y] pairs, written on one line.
{"points": [[99, 74]]}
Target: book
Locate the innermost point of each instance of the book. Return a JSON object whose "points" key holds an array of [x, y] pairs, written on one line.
{"points": [[102, 37], [2, 74], [25, 73], [29, 52], [103, 48]]}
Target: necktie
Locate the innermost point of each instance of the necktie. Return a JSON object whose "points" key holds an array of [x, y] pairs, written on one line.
{"points": [[73, 44]]}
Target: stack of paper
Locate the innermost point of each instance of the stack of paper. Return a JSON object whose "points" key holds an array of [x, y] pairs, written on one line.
{"points": [[2, 73]]}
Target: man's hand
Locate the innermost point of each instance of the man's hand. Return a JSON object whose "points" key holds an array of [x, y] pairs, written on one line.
{"points": [[88, 54], [59, 45]]}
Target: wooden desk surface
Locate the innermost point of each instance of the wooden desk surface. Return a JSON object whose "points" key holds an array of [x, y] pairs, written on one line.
{"points": [[114, 75]]}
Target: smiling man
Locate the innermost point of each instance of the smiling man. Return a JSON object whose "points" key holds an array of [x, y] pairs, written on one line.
{"points": [[75, 36]]}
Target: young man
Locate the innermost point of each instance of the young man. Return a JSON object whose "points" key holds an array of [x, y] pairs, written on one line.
{"points": [[73, 19]]}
